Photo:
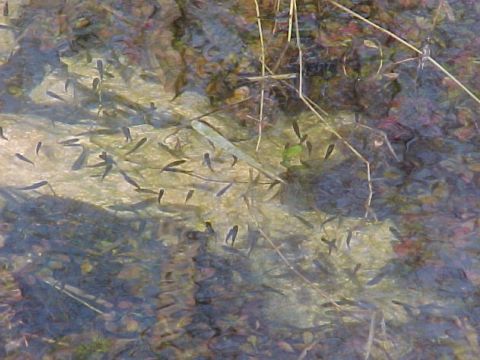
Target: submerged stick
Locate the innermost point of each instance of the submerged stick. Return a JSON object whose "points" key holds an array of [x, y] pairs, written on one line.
{"points": [[219, 141]]}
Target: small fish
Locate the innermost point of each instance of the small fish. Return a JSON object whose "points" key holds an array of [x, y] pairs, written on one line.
{"points": [[173, 164], [188, 172], [232, 234], [82, 158], [305, 163], [252, 239], [146, 191], [5, 9], [349, 238], [296, 129], [209, 228], [67, 83], [212, 144], [99, 164], [69, 141], [100, 68], [273, 184], [34, 186], [305, 222], [331, 218], [224, 190], [38, 147], [329, 151], [133, 207], [54, 95], [356, 268], [331, 244], [137, 145], [309, 147], [395, 233], [23, 158], [235, 159], [189, 195], [207, 161], [127, 134], [161, 192], [108, 168], [2, 135], [98, 132], [95, 83], [129, 180]]}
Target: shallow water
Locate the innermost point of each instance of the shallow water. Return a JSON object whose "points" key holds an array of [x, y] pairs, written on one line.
{"points": [[161, 244]]}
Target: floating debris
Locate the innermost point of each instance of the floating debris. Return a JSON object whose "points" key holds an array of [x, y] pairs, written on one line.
{"points": [[23, 158], [127, 134], [232, 234], [38, 147], [34, 186], [137, 145], [224, 190], [329, 151], [189, 195]]}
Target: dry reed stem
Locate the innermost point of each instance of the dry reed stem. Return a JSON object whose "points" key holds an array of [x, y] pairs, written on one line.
{"points": [[410, 46], [371, 333], [290, 20], [262, 91], [327, 126]]}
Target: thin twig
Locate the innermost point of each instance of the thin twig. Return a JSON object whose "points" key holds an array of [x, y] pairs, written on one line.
{"points": [[371, 333], [62, 288], [262, 85], [333, 131], [410, 46], [290, 20]]}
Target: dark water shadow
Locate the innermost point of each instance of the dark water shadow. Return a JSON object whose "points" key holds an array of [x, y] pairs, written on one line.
{"points": [[83, 274]]}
